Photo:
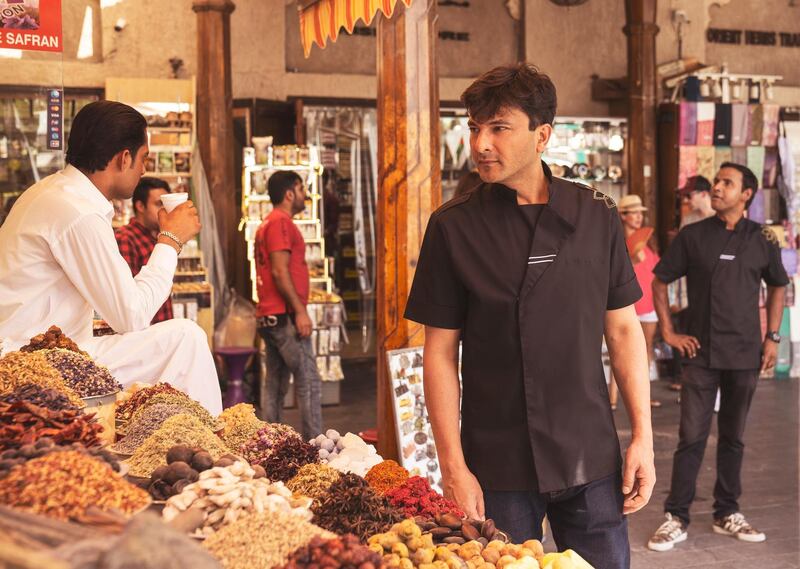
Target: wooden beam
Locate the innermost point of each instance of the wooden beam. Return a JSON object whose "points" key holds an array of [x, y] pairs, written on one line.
{"points": [[215, 119], [641, 29], [409, 181]]}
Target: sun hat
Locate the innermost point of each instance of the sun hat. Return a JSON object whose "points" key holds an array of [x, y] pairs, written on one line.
{"points": [[630, 203]]}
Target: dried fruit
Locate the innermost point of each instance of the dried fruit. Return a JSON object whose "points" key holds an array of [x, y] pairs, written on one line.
{"points": [[23, 423], [53, 338]]}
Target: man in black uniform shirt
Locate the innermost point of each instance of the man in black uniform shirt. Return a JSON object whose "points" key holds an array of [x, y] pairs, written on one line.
{"points": [[530, 271], [724, 258]]}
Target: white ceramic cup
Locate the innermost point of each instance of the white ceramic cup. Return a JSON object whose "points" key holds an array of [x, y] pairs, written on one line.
{"points": [[171, 201]]}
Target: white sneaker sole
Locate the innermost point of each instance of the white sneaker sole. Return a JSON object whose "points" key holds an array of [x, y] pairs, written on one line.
{"points": [[666, 545], [749, 538]]}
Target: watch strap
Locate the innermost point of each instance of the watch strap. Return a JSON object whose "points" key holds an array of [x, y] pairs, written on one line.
{"points": [[173, 237]]}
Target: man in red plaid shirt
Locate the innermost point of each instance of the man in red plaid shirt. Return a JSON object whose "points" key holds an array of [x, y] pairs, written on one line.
{"points": [[137, 239]]}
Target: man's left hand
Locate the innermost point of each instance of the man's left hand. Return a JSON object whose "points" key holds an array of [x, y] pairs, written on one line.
{"points": [[769, 355], [639, 476]]}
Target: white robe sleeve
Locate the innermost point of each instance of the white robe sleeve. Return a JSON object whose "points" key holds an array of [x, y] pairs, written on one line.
{"points": [[88, 253]]}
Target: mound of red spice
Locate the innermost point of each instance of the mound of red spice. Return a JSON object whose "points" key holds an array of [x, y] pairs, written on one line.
{"points": [[416, 498]]}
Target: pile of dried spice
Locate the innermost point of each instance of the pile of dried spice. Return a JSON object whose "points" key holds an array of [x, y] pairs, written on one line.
{"points": [[190, 406], [314, 481], [266, 440], [240, 425], [351, 506], [287, 457], [87, 378], [23, 423], [53, 338], [64, 485], [416, 498], [261, 540], [386, 476], [125, 409], [41, 396], [180, 429], [18, 369], [145, 424], [14, 457], [344, 552]]}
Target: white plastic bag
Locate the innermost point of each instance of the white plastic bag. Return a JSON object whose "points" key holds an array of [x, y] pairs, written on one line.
{"points": [[238, 326]]}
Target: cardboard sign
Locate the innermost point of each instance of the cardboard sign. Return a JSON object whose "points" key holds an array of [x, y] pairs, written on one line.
{"points": [[31, 25]]}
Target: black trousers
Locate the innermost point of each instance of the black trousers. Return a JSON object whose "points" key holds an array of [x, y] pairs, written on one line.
{"points": [[697, 410]]}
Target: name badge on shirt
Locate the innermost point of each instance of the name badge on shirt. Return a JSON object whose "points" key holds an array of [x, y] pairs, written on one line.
{"points": [[727, 257]]}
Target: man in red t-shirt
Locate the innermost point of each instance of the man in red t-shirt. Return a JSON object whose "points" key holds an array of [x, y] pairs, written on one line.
{"points": [[282, 283]]}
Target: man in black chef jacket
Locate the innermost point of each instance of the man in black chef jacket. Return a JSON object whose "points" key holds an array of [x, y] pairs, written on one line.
{"points": [[724, 258], [530, 271]]}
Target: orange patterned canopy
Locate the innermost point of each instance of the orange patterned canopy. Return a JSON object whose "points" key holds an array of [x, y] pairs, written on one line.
{"points": [[322, 20]]}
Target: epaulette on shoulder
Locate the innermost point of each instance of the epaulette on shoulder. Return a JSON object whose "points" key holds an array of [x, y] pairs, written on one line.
{"points": [[598, 195], [454, 202], [770, 235]]}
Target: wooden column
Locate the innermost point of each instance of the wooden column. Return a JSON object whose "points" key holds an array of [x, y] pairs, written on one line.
{"points": [[215, 117], [409, 181], [641, 29]]}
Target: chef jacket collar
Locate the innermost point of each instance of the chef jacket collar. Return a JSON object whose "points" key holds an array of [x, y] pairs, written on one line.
{"points": [[736, 228], [558, 202], [84, 187]]}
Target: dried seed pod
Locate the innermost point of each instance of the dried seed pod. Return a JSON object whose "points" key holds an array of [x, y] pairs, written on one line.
{"points": [[488, 529], [469, 532]]}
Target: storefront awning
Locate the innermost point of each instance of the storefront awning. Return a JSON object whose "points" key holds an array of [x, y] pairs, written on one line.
{"points": [[323, 19]]}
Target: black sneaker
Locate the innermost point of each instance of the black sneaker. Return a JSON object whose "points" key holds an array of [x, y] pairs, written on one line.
{"points": [[668, 534], [736, 526]]}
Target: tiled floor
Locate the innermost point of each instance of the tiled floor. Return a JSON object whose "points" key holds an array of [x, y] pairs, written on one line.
{"points": [[770, 476]]}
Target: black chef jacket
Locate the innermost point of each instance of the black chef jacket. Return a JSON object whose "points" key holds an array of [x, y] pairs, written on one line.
{"points": [[724, 271], [534, 412]]}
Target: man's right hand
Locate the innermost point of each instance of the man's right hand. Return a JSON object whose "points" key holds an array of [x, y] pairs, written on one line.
{"points": [[463, 488], [182, 221], [303, 324], [685, 344]]}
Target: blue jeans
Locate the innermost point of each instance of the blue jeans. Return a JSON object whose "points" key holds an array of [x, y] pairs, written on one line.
{"points": [[289, 355], [586, 518]]}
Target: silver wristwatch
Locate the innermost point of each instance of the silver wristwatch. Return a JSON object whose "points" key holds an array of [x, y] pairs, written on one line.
{"points": [[173, 237], [774, 336]]}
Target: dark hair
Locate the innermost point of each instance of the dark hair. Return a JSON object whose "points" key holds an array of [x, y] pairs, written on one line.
{"points": [[142, 191], [102, 129], [467, 182], [697, 184], [280, 183], [749, 180], [519, 85]]}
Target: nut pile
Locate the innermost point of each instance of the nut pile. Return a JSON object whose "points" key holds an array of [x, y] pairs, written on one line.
{"points": [[53, 338], [18, 369], [177, 430], [449, 528], [23, 423], [386, 476], [14, 457], [84, 376], [126, 408], [240, 425], [261, 540], [227, 494], [65, 484], [41, 396], [404, 546], [265, 441], [351, 506], [144, 425], [416, 498], [344, 552], [314, 481], [348, 453], [184, 465]]}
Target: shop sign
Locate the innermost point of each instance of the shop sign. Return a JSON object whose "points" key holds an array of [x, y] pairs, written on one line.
{"points": [[752, 37], [31, 25]]}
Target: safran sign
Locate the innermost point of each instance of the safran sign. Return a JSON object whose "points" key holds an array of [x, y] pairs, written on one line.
{"points": [[31, 25]]}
